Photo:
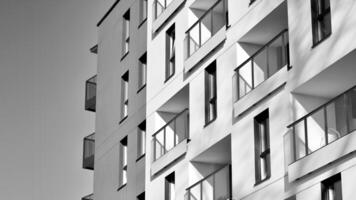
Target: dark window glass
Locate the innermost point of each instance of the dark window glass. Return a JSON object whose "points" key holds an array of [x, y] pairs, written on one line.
{"points": [[321, 20], [331, 188], [210, 93], [170, 52], [170, 187], [123, 162], [124, 95], [126, 33]]}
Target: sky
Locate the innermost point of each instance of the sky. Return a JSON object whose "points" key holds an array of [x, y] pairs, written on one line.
{"points": [[44, 62]]}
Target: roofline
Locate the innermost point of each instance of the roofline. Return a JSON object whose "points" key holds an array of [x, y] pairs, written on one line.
{"points": [[107, 13]]}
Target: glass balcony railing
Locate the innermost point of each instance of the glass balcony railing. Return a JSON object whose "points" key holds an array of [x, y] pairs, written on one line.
{"points": [[88, 197], [323, 125], [90, 94], [171, 134], [216, 186], [89, 151], [206, 27], [261, 65], [159, 6]]}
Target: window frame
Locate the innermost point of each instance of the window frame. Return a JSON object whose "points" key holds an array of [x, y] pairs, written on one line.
{"points": [[169, 181], [143, 12], [210, 93], [123, 147], [319, 15], [142, 72], [331, 182], [124, 96], [262, 119], [141, 140], [170, 52], [126, 33]]}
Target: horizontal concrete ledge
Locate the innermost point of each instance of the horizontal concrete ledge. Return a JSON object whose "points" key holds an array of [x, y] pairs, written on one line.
{"points": [[205, 50], [322, 157], [169, 157], [166, 14], [260, 92]]}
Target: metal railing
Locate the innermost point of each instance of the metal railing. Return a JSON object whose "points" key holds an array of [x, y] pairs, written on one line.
{"points": [[171, 134], [215, 186], [90, 94], [89, 151], [88, 197], [268, 60], [324, 125], [159, 6], [206, 27]]}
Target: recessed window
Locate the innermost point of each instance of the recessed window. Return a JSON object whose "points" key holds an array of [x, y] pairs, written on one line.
{"points": [[124, 95], [170, 187], [142, 71], [331, 188], [210, 93], [143, 10], [141, 196], [170, 52], [251, 1], [262, 147], [126, 33], [321, 20], [141, 139], [123, 162]]}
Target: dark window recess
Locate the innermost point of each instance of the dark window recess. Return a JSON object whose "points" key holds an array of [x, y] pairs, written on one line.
{"points": [[210, 93], [142, 71], [141, 139], [262, 147], [143, 10], [123, 162], [331, 188], [170, 52], [141, 196], [124, 95], [321, 20], [170, 187], [126, 33]]}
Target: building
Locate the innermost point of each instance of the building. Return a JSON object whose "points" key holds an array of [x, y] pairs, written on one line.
{"points": [[226, 99]]}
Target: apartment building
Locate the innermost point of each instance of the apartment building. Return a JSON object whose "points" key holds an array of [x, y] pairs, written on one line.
{"points": [[226, 99]]}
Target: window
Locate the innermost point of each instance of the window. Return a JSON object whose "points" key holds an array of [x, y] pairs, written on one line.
{"points": [[331, 188], [170, 187], [143, 10], [321, 20], [124, 95], [123, 162], [262, 149], [252, 1], [170, 52], [126, 33], [141, 196], [210, 93], [142, 71], [141, 139]]}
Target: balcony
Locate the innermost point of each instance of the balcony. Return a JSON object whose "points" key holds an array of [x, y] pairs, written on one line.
{"points": [[324, 125], [88, 197], [207, 32], [216, 186], [163, 10], [89, 151], [171, 134], [262, 65], [90, 94]]}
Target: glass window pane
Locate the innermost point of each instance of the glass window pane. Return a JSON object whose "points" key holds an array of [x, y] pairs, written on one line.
{"points": [[218, 17], [299, 140], [194, 39], [336, 118], [170, 136], [206, 28], [260, 72], [316, 131], [208, 189], [276, 56], [194, 193], [352, 109], [245, 79], [222, 184], [159, 144]]}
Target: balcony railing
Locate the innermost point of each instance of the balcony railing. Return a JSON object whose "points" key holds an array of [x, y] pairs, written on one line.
{"points": [[90, 94], [261, 65], [206, 27], [89, 151], [324, 125], [171, 134], [159, 6], [88, 197], [216, 186]]}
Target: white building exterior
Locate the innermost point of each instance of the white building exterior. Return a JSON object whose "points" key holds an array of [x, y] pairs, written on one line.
{"points": [[236, 99]]}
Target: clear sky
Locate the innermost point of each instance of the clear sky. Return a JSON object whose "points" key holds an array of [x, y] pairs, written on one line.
{"points": [[44, 62]]}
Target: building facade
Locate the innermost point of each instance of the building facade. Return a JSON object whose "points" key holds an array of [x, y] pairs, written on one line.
{"points": [[225, 99]]}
